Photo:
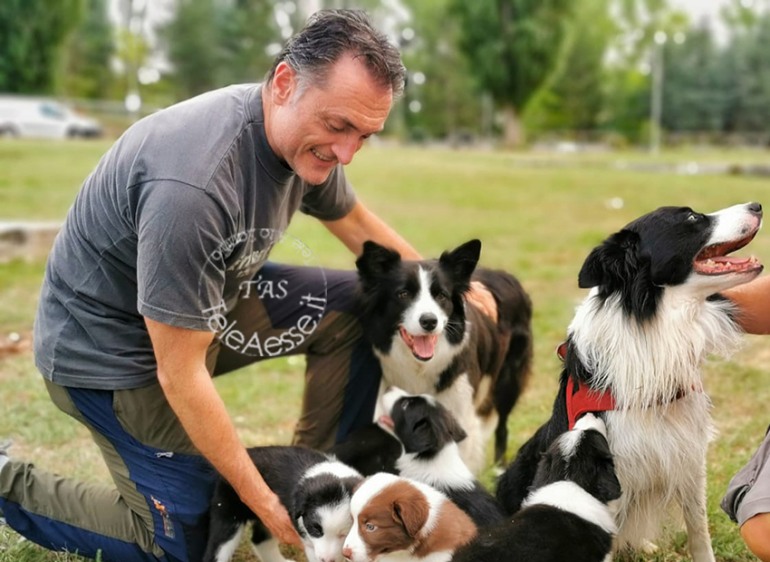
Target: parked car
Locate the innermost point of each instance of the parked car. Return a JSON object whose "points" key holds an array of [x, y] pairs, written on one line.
{"points": [[43, 118]]}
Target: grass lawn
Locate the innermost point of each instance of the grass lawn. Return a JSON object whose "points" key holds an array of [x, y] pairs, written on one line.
{"points": [[538, 216]]}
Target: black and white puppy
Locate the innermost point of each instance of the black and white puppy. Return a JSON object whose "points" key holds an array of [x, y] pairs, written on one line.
{"points": [[569, 513], [316, 491], [430, 436], [370, 449], [429, 342], [634, 353]]}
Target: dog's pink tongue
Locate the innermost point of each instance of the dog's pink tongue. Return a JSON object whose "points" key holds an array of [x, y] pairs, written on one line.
{"points": [[387, 422], [424, 346]]}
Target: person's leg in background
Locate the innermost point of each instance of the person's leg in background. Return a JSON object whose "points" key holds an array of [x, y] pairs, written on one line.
{"points": [[756, 535], [159, 507], [747, 501], [311, 311]]}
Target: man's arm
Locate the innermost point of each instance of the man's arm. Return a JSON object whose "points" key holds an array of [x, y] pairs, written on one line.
{"points": [[753, 302], [360, 225], [189, 389]]}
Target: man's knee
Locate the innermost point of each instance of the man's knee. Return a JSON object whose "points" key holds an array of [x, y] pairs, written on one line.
{"points": [[756, 535]]}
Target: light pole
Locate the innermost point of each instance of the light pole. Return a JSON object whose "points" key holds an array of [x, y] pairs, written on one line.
{"points": [[656, 105], [658, 74]]}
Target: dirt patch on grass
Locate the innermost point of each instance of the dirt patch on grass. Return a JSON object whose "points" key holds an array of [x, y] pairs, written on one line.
{"points": [[15, 343]]}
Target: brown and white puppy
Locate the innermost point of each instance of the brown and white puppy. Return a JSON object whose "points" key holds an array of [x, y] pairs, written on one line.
{"points": [[396, 519]]}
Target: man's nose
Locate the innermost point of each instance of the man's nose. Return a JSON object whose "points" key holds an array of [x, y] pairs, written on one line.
{"points": [[344, 150]]}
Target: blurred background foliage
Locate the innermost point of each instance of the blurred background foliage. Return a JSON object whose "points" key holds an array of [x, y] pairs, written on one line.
{"points": [[504, 71]]}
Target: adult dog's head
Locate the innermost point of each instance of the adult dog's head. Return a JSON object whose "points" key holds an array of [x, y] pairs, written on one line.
{"points": [[673, 247], [416, 306]]}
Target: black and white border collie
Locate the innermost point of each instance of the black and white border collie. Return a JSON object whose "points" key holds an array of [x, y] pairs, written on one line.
{"points": [[429, 435], [634, 353], [316, 491], [429, 342], [569, 514]]}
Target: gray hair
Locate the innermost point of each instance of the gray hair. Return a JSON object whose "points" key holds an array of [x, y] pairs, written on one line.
{"points": [[330, 34]]}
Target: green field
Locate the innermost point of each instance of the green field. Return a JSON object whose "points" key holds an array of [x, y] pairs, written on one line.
{"points": [[537, 214]]}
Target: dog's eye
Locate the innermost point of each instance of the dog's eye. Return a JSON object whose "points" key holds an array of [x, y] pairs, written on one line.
{"points": [[692, 217], [442, 297], [403, 294], [371, 527]]}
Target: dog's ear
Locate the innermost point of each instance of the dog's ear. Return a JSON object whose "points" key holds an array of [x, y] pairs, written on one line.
{"points": [[411, 511], [453, 427], [298, 506], [376, 260], [421, 437], [352, 483], [608, 261], [462, 260]]}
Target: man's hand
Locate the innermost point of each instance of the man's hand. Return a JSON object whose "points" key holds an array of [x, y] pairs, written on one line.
{"points": [[480, 297], [275, 517]]}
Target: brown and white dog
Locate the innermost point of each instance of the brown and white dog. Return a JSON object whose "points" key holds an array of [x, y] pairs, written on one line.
{"points": [[396, 519], [429, 341]]}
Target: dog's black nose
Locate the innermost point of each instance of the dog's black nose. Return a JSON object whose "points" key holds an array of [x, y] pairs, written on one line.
{"points": [[428, 321], [755, 208]]}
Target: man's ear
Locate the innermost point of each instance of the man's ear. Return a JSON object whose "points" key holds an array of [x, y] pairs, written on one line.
{"points": [[284, 83]]}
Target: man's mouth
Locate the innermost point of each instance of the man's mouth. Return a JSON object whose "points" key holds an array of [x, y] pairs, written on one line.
{"points": [[422, 347], [321, 156]]}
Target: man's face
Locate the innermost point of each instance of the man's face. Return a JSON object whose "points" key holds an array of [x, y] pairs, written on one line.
{"points": [[315, 129]]}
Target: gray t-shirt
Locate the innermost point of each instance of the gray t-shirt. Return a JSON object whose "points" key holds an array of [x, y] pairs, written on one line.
{"points": [[181, 211]]}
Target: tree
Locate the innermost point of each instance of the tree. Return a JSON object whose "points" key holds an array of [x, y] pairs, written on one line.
{"points": [[694, 95], [513, 46], [212, 44], [438, 77], [193, 47], [573, 97], [32, 33], [748, 68], [87, 71]]}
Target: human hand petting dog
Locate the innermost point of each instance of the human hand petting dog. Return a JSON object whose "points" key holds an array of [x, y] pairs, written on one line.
{"points": [[481, 297], [276, 518]]}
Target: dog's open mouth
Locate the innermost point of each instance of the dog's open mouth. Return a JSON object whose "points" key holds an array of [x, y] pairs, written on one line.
{"points": [[422, 347], [386, 422], [714, 260]]}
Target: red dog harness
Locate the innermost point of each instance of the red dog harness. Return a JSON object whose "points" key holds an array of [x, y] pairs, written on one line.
{"points": [[582, 399]]}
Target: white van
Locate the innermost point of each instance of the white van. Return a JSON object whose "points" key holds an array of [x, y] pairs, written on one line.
{"points": [[43, 118]]}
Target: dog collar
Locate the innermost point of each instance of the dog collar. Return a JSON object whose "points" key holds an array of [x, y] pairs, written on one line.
{"points": [[582, 399]]}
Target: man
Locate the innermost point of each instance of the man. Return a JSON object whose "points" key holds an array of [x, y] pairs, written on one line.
{"points": [[150, 288]]}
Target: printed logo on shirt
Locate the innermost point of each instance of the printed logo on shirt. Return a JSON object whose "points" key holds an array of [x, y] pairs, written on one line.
{"points": [[266, 310]]}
